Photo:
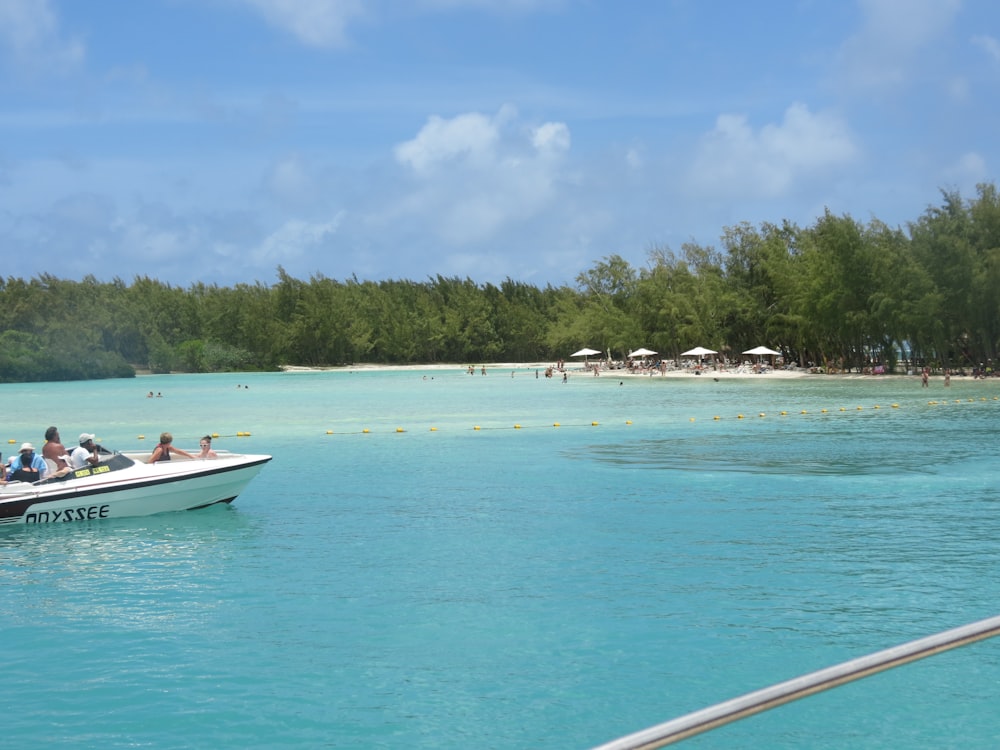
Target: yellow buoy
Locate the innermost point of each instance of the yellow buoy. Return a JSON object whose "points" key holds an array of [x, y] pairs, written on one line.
{"points": [[691, 419], [895, 406], [365, 430], [434, 429], [140, 437], [716, 417], [517, 427], [555, 424], [215, 435], [400, 429], [739, 416], [329, 432], [628, 421], [822, 411], [476, 427], [593, 424]]}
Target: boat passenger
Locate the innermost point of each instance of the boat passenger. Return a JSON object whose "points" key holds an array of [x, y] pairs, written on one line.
{"points": [[162, 451], [28, 466], [54, 450], [206, 448], [86, 453]]}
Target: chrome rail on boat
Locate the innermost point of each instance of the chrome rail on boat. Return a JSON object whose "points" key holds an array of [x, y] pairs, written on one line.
{"points": [[729, 711]]}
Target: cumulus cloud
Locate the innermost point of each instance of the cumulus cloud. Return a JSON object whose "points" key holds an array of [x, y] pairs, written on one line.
{"points": [[293, 239], [989, 45], [317, 23], [733, 158], [495, 6], [474, 173], [968, 171], [469, 138], [892, 33], [29, 32]]}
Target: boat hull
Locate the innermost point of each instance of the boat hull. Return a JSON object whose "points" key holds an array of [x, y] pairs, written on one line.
{"points": [[139, 489]]}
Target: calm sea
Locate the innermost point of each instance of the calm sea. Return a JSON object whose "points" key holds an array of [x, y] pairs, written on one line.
{"points": [[414, 570]]}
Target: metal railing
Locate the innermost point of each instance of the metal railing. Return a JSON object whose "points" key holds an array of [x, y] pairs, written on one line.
{"points": [[800, 687]]}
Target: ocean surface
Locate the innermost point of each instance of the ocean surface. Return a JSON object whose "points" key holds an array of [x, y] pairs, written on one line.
{"points": [[439, 560]]}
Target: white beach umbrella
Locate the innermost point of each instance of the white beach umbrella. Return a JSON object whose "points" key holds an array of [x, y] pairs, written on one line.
{"points": [[641, 353], [698, 351], [761, 350], [585, 352]]}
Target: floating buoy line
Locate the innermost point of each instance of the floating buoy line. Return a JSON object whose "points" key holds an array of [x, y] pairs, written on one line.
{"points": [[784, 413], [717, 418]]}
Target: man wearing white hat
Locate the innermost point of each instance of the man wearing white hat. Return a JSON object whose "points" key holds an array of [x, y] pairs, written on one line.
{"points": [[28, 466], [85, 453]]}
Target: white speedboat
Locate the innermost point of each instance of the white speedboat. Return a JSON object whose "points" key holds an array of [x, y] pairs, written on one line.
{"points": [[123, 484]]}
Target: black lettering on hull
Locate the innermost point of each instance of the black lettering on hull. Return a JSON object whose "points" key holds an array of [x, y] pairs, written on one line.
{"points": [[70, 514]]}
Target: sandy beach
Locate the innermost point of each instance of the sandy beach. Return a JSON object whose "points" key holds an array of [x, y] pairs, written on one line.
{"points": [[577, 370]]}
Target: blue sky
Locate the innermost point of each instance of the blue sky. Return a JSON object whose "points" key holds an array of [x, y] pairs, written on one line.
{"points": [[216, 140]]}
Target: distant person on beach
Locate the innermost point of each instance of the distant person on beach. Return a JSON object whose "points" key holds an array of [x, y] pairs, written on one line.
{"points": [[206, 448], [166, 446], [924, 377]]}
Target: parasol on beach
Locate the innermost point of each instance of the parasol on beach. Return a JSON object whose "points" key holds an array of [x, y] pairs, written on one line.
{"points": [[698, 351], [640, 352]]}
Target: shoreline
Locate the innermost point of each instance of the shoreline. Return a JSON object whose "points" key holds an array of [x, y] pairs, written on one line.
{"points": [[577, 370]]}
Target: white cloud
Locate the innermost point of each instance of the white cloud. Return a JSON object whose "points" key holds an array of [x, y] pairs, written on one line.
{"points": [[989, 45], [293, 239], [733, 159], [893, 32], [471, 138], [317, 23], [474, 174], [496, 6], [968, 171], [291, 184], [29, 30]]}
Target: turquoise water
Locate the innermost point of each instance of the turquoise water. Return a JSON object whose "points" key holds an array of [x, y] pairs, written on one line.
{"points": [[445, 586]]}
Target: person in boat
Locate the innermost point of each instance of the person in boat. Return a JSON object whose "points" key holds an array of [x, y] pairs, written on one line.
{"points": [[54, 450], [206, 448], [27, 466], [162, 451], [86, 453]]}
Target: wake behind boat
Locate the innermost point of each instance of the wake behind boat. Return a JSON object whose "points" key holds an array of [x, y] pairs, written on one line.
{"points": [[125, 485]]}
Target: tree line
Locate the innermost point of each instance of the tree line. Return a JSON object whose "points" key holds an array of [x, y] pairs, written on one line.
{"points": [[840, 293]]}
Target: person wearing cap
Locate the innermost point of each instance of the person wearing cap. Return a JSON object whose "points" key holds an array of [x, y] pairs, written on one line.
{"points": [[85, 453], [27, 466]]}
